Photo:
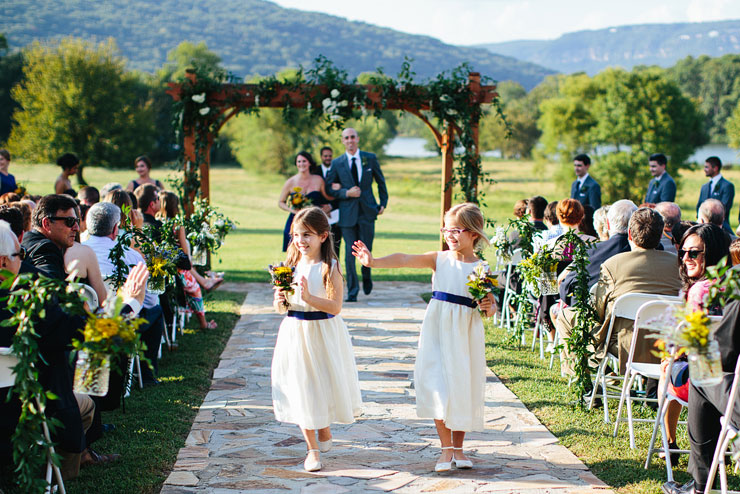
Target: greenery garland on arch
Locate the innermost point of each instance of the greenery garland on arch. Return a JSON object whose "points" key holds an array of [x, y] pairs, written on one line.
{"points": [[327, 94]]}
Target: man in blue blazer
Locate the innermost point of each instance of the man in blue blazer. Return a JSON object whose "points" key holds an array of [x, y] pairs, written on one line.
{"points": [[358, 208], [585, 189], [662, 188], [717, 188]]}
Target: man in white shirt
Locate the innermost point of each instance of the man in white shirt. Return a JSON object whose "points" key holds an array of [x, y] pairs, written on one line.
{"points": [[717, 188], [102, 224], [585, 189]]}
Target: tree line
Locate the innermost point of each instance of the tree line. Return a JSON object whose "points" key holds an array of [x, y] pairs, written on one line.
{"points": [[75, 95]]}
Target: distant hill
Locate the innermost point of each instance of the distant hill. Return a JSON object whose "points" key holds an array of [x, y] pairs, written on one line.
{"points": [[626, 46], [251, 36]]}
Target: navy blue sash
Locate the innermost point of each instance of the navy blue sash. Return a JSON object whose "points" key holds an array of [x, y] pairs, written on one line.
{"points": [[309, 316], [455, 299]]}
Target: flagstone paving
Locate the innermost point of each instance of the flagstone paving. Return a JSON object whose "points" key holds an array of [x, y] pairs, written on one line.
{"points": [[236, 445]]}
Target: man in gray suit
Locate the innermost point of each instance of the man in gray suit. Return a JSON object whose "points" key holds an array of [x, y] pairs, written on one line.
{"points": [[662, 188], [585, 189], [358, 208]]}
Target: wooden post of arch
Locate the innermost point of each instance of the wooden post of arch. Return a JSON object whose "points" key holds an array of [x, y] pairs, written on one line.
{"points": [[448, 158]]}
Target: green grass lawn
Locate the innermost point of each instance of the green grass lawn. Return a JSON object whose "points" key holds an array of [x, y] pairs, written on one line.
{"points": [[157, 420]]}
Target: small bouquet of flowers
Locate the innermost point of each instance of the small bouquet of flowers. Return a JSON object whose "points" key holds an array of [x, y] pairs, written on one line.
{"points": [[504, 248], [539, 271], [688, 331], [161, 263], [481, 282], [296, 200], [105, 337], [20, 189], [282, 277]]}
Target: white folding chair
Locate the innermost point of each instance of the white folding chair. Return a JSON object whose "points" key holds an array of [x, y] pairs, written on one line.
{"points": [[90, 296], [626, 307], [663, 410], [506, 319], [726, 435], [7, 380], [647, 312]]}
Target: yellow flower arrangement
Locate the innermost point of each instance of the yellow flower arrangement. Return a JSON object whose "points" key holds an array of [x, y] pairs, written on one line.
{"points": [[157, 268], [296, 199], [111, 332]]}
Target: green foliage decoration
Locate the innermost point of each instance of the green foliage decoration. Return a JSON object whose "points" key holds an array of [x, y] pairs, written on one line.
{"points": [[581, 341], [27, 300], [330, 96]]}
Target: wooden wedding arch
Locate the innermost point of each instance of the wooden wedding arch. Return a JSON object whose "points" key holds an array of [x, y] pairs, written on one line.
{"points": [[223, 101]]}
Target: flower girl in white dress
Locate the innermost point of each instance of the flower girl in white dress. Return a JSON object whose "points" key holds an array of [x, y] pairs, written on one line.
{"points": [[450, 370], [314, 376]]}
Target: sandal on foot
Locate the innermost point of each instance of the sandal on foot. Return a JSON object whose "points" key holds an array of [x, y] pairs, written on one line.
{"points": [[463, 464], [444, 466], [311, 465]]}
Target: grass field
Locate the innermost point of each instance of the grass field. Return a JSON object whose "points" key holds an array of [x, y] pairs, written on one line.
{"points": [[410, 224]]}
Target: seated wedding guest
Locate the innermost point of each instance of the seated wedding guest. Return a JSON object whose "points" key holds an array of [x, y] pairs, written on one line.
{"points": [[7, 181], [143, 165], [712, 211], [678, 230], [600, 223], [55, 226], [671, 214], [9, 197], [14, 218], [69, 164], [536, 208], [88, 196], [121, 198], [701, 246], [82, 265], [735, 252], [570, 215], [641, 270], [103, 220], [55, 332], [110, 186], [617, 221], [27, 212], [520, 209], [554, 228], [191, 279], [707, 404], [587, 223]]}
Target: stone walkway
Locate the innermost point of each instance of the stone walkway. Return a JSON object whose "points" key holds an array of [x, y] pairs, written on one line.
{"points": [[236, 445]]}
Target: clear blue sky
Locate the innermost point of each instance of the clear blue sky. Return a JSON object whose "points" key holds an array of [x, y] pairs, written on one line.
{"points": [[466, 22]]}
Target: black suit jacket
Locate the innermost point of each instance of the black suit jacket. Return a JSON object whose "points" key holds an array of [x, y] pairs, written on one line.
{"points": [[616, 244], [723, 192], [44, 254]]}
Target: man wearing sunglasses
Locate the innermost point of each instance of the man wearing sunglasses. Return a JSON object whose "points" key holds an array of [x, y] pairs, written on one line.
{"points": [[55, 224]]}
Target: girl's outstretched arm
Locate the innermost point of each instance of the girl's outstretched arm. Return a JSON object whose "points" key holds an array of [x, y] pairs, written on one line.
{"points": [[362, 253], [331, 305]]}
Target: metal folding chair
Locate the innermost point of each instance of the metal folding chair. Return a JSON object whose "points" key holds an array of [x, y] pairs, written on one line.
{"points": [[626, 307]]}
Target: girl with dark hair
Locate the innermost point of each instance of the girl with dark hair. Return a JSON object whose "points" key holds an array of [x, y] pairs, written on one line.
{"points": [[69, 164], [191, 279], [307, 183], [701, 246], [143, 165], [314, 375]]}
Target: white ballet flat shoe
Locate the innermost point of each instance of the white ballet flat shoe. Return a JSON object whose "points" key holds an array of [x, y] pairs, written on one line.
{"points": [[311, 465], [462, 464], [325, 446], [444, 466]]}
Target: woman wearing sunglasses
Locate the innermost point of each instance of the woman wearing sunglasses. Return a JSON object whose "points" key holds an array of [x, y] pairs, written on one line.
{"points": [[701, 246]]}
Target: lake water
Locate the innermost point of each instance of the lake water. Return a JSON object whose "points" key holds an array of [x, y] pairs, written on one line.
{"points": [[413, 147]]}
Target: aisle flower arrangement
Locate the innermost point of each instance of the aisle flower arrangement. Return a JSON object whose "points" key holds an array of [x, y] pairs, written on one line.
{"points": [[106, 338]]}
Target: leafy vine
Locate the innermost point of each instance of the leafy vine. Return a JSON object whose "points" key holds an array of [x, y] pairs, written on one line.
{"points": [[327, 93], [27, 301]]}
